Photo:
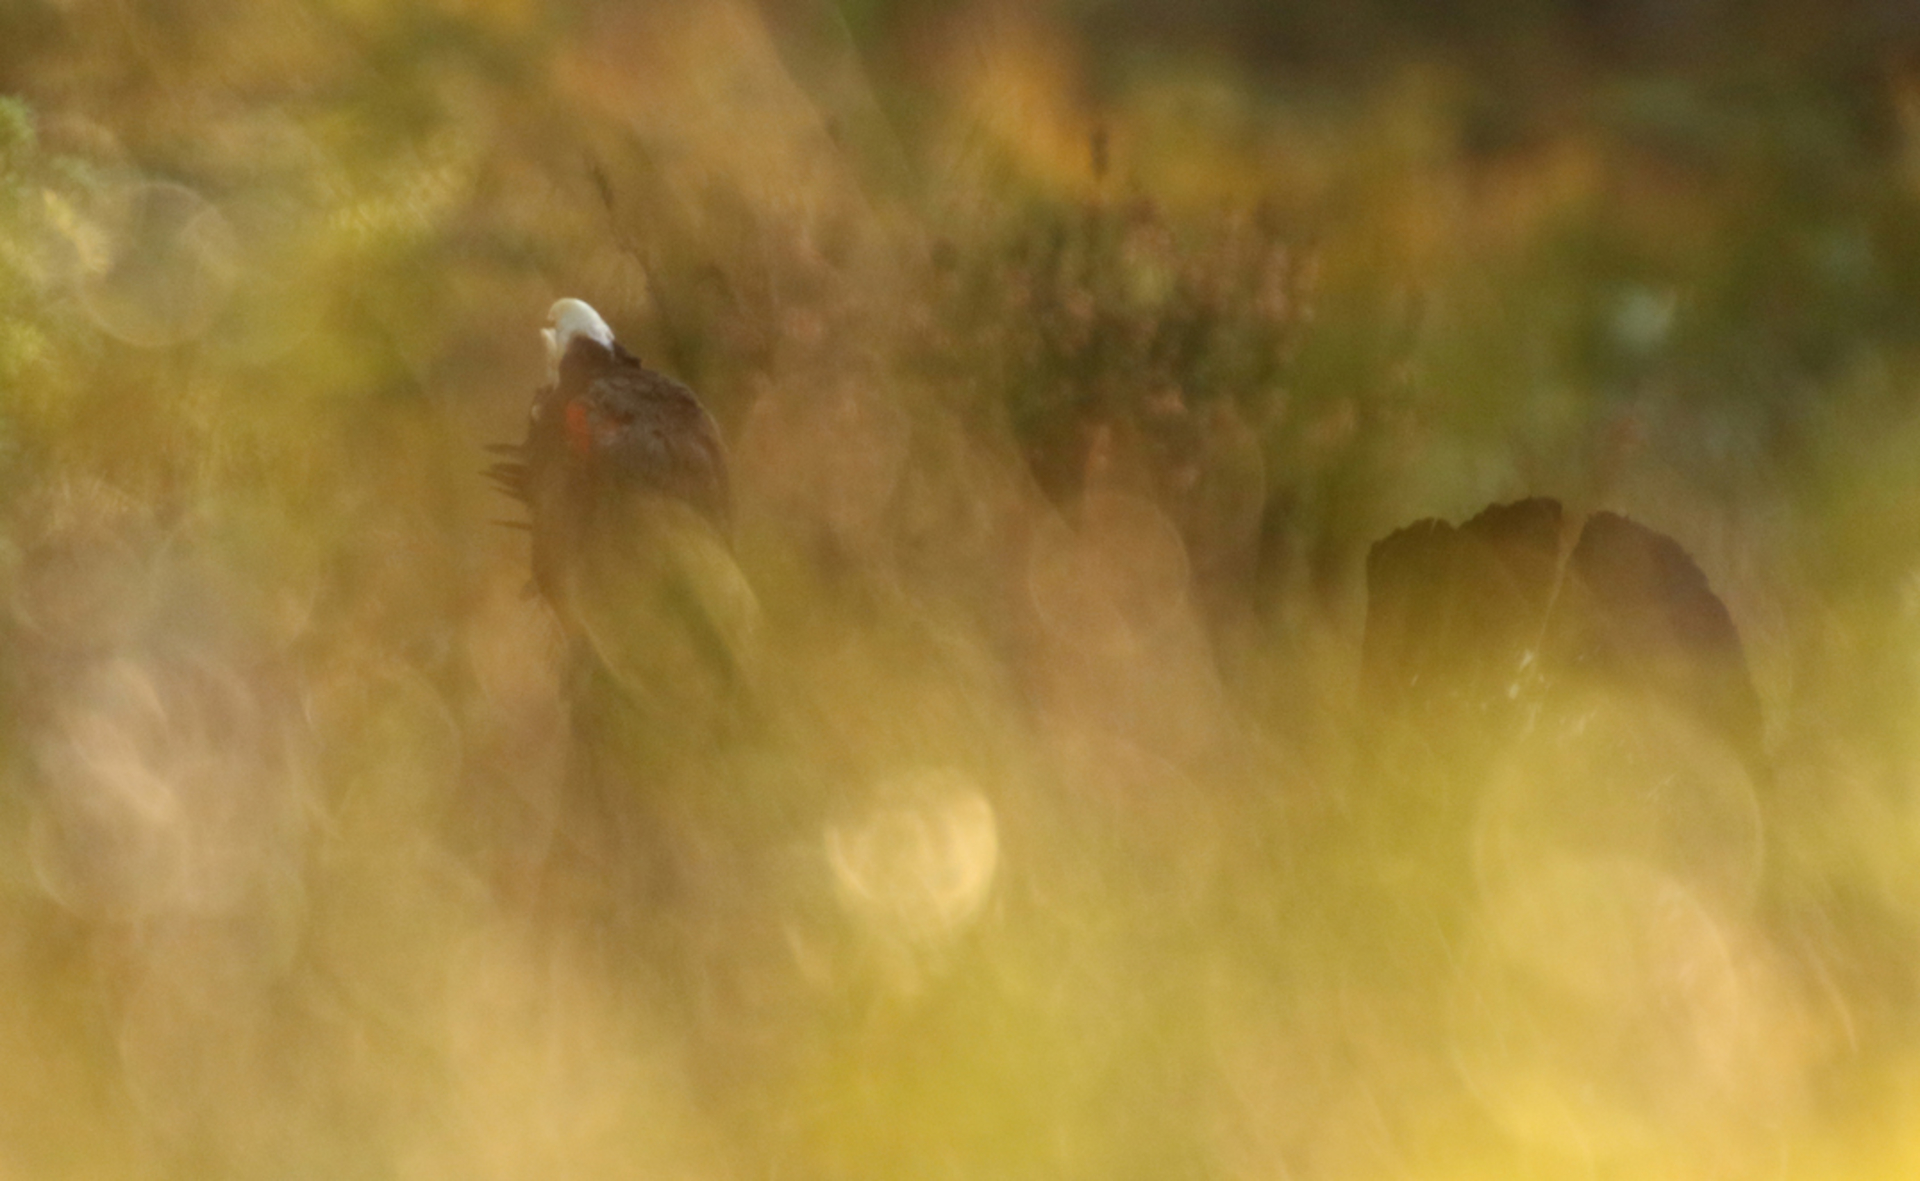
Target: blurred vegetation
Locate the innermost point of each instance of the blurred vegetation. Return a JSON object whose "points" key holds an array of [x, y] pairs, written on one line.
{"points": [[1071, 355]]}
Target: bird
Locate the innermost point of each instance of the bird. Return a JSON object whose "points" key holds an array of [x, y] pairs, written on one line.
{"points": [[1526, 601], [1580, 662], [624, 476], [608, 438], [623, 473]]}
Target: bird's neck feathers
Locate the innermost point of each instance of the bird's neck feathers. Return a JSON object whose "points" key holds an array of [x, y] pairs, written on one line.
{"points": [[586, 359]]}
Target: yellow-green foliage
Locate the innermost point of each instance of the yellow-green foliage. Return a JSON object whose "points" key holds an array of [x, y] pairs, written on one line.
{"points": [[1067, 377]]}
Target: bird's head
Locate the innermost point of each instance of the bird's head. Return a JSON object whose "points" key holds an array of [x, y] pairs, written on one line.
{"points": [[569, 320]]}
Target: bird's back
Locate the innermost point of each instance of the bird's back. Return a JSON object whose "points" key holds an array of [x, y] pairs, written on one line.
{"points": [[1573, 688]]}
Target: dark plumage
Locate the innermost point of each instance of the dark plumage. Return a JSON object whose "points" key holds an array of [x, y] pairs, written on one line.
{"points": [[624, 477], [608, 440], [1540, 689], [1501, 614]]}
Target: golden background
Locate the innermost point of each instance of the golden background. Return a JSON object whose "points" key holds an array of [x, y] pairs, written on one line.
{"points": [[1071, 355]]}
